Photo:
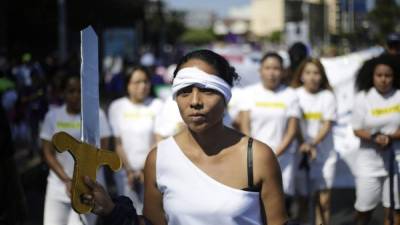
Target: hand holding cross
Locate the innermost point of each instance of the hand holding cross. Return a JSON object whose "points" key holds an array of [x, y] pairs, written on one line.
{"points": [[87, 160]]}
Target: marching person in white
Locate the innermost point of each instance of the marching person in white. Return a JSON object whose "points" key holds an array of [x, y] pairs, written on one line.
{"points": [[376, 121], [208, 173], [132, 121], [270, 114], [318, 107], [66, 118], [201, 175], [168, 121]]}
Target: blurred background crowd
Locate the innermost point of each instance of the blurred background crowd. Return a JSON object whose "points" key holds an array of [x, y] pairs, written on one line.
{"points": [[39, 47]]}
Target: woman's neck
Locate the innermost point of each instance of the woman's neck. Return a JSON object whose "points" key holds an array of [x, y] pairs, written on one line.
{"points": [[210, 140], [311, 90], [384, 93], [72, 111], [271, 88], [136, 100]]}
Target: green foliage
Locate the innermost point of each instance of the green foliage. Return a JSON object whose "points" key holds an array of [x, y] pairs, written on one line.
{"points": [[198, 36], [275, 37], [385, 16]]}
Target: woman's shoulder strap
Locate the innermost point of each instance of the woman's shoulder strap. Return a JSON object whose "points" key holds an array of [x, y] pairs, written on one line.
{"points": [[250, 178]]}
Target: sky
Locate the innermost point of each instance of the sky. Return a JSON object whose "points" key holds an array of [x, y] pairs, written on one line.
{"points": [[220, 7]]}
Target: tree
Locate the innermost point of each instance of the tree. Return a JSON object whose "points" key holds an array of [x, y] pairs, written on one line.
{"points": [[276, 36], [385, 16], [198, 36]]}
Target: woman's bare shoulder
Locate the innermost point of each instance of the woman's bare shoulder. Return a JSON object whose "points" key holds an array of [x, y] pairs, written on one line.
{"points": [[262, 149], [263, 156]]}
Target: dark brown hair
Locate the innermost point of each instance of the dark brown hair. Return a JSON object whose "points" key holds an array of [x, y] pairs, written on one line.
{"points": [[296, 82], [129, 71], [364, 77], [219, 63]]}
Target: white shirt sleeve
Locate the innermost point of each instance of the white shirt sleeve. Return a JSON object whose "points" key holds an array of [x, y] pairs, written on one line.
{"points": [[48, 127], [245, 100], [112, 116], [293, 107], [359, 111], [329, 110], [105, 130]]}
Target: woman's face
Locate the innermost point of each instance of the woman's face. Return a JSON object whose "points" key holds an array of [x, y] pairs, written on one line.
{"points": [[383, 78], [139, 86], [73, 95], [271, 73], [311, 77], [200, 108]]}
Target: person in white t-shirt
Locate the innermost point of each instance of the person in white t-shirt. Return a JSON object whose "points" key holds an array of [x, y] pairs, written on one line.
{"points": [[57, 209], [208, 173], [318, 106], [235, 107], [132, 121], [376, 121], [168, 121], [270, 114]]}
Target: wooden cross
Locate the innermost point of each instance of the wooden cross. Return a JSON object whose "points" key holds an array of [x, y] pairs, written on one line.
{"points": [[87, 160]]}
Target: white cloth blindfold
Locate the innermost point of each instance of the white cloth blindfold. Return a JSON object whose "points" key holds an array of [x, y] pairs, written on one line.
{"points": [[193, 76]]}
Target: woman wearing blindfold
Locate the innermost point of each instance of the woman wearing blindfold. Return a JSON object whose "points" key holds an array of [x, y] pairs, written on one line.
{"points": [[208, 173]]}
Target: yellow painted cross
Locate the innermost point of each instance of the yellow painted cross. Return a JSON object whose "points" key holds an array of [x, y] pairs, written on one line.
{"points": [[87, 160]]}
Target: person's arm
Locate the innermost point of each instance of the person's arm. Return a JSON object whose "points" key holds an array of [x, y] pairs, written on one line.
{"points": [[245, 122], [381, 140], [104, 143], [310, 147], [158, 137], [322, 133], [119, 211], [329, 114], [153, 209], [130, 172], [54, 164], [268, 173], [121, 153], [290, 134], [363, 134]]}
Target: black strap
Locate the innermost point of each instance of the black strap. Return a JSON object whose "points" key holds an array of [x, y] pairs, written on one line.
{"points": [[250, 163]]}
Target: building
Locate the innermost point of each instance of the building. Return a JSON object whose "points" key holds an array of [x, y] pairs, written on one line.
{"points": [[236, 22], [267, 16], [352, 14]]}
